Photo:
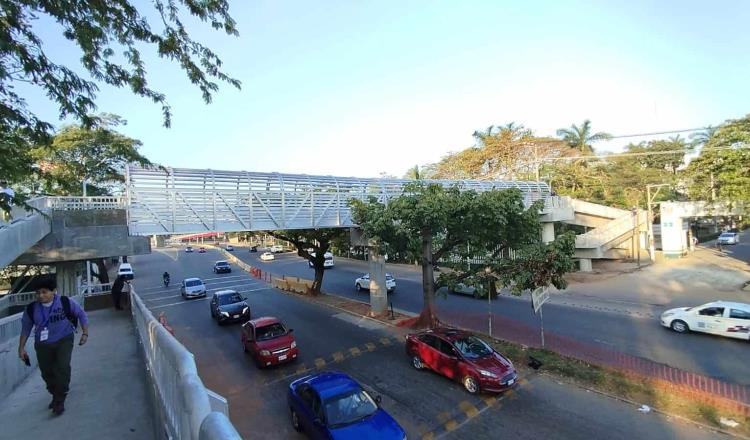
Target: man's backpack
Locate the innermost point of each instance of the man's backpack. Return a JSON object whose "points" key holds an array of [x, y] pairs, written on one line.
{"points": [[66, 309]]}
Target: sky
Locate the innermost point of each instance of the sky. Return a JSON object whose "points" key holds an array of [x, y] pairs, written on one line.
{"points": [[360, 88]]}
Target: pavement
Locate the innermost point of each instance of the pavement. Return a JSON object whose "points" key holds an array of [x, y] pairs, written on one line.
{"points": [[109, 394], [425, 404]]}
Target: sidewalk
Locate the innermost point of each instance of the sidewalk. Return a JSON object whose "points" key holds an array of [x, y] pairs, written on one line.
{"points": [[109, 392]]}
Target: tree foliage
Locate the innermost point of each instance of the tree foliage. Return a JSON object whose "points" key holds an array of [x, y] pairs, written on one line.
{"points": [[581, 137], [110, 35], [448, 225]]}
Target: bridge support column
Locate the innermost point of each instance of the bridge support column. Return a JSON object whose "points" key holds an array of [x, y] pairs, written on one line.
{"points": [[378, 291], [548, 232], [584, 265], [157, 241], [65, 275]]}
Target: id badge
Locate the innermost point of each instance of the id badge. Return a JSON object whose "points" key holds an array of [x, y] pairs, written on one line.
{"points": [[44, 334]]}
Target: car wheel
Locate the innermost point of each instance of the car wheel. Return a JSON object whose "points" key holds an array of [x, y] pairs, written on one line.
{"points": [[470, 384], [416, 362], [295, 421], [679, 326], [359, 288], [475, 295], [244, 347]]}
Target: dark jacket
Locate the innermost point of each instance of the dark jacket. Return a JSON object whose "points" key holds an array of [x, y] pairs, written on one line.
{"points": [[118, 285]]}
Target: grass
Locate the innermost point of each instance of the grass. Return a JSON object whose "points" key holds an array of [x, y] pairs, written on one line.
{"points": [[618, 384]]}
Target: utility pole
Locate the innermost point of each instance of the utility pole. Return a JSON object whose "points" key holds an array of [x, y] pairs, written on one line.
{"points": [[650, 219]]}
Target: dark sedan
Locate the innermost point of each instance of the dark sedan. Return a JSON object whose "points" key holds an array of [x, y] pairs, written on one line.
{"points": [[229, 306], [463, 357], [222, 267]]}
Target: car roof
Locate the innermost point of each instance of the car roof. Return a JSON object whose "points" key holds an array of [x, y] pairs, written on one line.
{"points": [[222, 261], [450, 334], [225, 292], [193, 279], [736, 305], [124, 265], [264, 321], [332, 383]]}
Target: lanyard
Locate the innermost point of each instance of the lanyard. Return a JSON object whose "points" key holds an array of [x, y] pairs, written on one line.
{"points": [[49, 314]]}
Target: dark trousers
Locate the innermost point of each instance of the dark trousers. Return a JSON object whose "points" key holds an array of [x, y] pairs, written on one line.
{"points": [[54, 363], [116, 294]]}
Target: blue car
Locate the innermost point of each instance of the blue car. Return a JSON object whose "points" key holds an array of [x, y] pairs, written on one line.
{"points": [[332, 405]]}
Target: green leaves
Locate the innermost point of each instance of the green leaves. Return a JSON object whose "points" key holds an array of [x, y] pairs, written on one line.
{"points": [[100, 30]]}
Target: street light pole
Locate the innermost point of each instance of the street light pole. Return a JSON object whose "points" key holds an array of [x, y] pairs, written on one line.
{"points": [[650, 220]]}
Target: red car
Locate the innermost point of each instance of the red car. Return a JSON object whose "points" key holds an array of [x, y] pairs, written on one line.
{"points": [[201, 250], [269, 341], [463, 357]]}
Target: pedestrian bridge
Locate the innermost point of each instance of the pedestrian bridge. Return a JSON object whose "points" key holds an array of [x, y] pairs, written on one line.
{"points": [[178, 200]]}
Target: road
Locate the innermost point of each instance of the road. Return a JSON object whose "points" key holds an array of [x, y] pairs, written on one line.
{"points": [[610, 326], [422, 402]]}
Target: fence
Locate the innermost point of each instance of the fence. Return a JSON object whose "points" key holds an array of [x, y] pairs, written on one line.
{"points": [[700, 387], [15, 299], [183, 404]]}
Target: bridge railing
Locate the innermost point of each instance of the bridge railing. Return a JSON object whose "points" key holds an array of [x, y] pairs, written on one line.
{"points": [[182, 402]]}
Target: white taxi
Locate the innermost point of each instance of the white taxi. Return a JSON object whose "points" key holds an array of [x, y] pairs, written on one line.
{"points": [[267, 256], [721, 318]]}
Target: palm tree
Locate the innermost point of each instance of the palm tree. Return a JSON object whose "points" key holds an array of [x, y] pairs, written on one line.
{"points": [[702, 137], [581, 137]]}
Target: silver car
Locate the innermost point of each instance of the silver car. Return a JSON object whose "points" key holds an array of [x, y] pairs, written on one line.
{"points": [[729, 238], [193, 288]]}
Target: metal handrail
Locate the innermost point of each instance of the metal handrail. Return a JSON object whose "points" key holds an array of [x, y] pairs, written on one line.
{"points": [[610, 231]]}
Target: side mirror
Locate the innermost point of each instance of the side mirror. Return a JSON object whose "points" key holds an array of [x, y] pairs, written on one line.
{"points": [[378, 399], [244, 298], [290, 330]]}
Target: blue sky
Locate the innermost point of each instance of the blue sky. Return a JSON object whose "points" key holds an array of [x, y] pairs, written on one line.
{"points": [[364, 87]]}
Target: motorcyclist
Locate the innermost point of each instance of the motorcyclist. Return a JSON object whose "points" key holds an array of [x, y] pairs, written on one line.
{"points": [[165, 278]]}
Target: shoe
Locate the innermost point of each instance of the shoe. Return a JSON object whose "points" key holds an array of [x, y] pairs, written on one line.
{"points": [[58, 408], [52, 403]]}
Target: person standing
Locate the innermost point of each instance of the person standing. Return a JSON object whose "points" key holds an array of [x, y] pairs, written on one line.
{"points": [[117, 287], [54, 320]]}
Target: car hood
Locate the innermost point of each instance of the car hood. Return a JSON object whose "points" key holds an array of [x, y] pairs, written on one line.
{"points": [[677, 310], [379, 426], [233, 308], [493, 363], [276, 343], [195, 288]]}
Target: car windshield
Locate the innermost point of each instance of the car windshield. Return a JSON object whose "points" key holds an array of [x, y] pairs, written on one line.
{"points": [[269, 332], [229, 298], [193, 283], [125, 269], [727, 235], [349, 408], [388, 277], [222, 263], [472, 347]]}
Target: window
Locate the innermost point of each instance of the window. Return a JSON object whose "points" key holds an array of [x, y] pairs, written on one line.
{"points": [[430, 340], [447, 349], [349, 408], [307, 395], [739, 314], [270, 332], [473, 347], [712, 311], [193, 283], [230, 298]]}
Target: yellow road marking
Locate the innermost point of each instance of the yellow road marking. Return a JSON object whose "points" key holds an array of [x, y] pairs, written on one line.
{"points": [[443, 416], [370, 346], [469, 409], [338, 356], [490, 400], [450, 425], [385, 341], [428, 436], [301, 369], [320, 363], [355, 351]]}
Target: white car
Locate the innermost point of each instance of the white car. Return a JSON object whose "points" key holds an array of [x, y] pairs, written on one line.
{"points": [[327, 263], [363, 282], [729, 238], [125, 271], [276, 249], [192, 288], [267, 256], [230, 248], [719, 318]]}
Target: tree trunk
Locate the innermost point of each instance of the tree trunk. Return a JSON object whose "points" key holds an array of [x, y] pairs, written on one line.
{"points": [[318, 281], [428, 317], [103, 275]]}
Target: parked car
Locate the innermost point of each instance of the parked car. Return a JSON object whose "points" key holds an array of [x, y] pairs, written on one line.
{"points": [[332, 405], [269, 341], [363, 283], [201, 250], [721, 318], [230, 248], [327, 263], [125, 271], [463, 357], [276, 249], [189, 250], [192, 288], [729, 238], [222, 266], [267, 256], [463, 289], [229, 306]]}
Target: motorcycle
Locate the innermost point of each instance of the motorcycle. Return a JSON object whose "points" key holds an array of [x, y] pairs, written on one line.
{"points": [[166, 281]]}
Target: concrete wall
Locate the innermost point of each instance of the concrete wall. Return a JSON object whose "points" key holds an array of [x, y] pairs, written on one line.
{"points": [[12, 370], [86, 235]]}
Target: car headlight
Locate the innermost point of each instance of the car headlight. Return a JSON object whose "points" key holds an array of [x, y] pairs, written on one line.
{"points": [[667, 314], [488, 374], [294, 344], [265, 353], [225, 314], [245, 309]]}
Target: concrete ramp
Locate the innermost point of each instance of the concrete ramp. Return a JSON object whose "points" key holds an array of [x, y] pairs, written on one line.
{"points": [[20, 235]]}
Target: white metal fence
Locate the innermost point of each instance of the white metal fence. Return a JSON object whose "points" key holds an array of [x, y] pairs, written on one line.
{"points": [[183, 404]]}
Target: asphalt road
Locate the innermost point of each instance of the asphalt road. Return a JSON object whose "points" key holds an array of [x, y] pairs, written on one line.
{"points": [[422, 402], [715, 356]]}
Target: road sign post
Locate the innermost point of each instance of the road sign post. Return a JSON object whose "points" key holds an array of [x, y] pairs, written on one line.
{"points": [[539, 296]]}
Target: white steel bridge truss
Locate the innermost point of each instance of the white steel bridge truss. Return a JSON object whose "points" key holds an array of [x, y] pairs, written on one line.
{"points": [[180, 200]]}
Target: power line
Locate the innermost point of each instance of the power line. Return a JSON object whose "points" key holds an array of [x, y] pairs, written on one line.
{"points": [[659, 133], [644, 153]]}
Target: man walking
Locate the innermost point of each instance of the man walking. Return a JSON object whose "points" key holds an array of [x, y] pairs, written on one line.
{"points": [[54, 320], [117, 287]]}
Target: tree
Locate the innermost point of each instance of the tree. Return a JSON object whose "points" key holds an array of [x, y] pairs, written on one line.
{"points": [[581, 137], [110, 36], [448, 225], [702, 137], [319, 240], [413, 173], [97, 154]]}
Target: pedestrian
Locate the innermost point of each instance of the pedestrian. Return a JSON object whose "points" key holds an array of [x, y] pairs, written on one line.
{"points": [[6, 198], [117, 287], [54, 319]]}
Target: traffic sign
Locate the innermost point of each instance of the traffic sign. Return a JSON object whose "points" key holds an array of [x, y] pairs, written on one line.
{"points": [[539, 296]]}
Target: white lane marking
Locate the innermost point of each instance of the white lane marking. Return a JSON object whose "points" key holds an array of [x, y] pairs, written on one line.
{"points": [[204, 279], [188, 301], [207, 290], [177, 289]]}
